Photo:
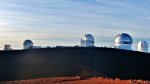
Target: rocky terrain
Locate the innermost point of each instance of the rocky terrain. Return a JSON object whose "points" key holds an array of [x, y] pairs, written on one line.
{"points": [[76, 80]]}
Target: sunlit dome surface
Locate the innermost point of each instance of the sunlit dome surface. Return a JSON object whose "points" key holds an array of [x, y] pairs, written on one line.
{"points": [[89, 37], [123, 38]]}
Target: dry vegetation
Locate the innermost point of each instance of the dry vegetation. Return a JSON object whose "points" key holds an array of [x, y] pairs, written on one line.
{"points": [[76, 80]]}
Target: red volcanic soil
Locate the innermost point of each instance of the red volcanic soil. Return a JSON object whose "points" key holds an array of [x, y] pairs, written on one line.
{"points": [[76, 80]]}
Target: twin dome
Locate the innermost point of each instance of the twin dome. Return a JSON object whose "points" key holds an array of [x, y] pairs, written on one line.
{"points": [[125, 41]]}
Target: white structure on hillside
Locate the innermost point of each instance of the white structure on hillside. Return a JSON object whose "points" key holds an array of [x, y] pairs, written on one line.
{"points": [[28, 44], [143, 46], [88, 41], [123, 41], [7, 47]]}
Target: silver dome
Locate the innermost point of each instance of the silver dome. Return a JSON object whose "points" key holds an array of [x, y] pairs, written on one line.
{"points": [[89, 37], [26, 42], [123, 38]]}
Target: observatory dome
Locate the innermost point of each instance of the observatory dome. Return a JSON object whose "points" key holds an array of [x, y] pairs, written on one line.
{"points": [[123, 39], [27, 44], [88, 41], [143, 46], [89, 37]]}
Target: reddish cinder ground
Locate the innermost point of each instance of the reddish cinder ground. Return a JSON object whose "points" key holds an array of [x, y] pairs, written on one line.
{"points": [[76, 80]]}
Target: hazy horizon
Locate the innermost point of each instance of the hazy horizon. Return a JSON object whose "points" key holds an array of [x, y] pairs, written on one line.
{"points": [[64, 22]]}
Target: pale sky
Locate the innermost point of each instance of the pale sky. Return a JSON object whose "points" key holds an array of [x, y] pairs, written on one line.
{"points": [[64, 22]]}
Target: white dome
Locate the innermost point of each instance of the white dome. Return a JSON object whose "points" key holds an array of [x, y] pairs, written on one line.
{"points": [[27, 44], [89, 37], [143, 46], [88, 41], [123, 39]]}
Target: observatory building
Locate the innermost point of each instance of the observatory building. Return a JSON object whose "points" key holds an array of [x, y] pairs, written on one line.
{"points": [[88, 41], [143, 46], [123, 41], [7, 47], [28, 44]]}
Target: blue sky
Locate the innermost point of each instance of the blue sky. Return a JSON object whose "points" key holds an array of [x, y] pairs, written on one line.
{"points": [[64, 22]]}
